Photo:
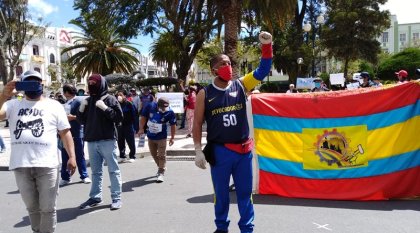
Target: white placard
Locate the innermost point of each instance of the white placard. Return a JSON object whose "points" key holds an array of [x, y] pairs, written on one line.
{"points": [[337, 79], [305, 83], [176, 100], [351, 86]]}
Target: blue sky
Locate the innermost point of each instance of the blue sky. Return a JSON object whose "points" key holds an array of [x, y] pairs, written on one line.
{"points": [[59, 12]]}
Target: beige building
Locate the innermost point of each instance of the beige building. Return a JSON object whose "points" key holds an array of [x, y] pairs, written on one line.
{"points": [[400, 36]]}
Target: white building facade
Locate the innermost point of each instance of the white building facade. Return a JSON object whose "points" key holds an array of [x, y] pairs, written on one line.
{"points": [[400, 36], [43, 53]]}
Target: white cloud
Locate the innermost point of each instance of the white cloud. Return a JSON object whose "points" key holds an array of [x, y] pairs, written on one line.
{"points": [[405, 10], [42, 7]]}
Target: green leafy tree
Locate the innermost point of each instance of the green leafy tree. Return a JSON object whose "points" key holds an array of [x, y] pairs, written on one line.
{"points": [[189, 22], [16, 32], [264, 10], [100, 49], [408, 59], [209, 50], [163, 50], [289, 45], [351, 29]]}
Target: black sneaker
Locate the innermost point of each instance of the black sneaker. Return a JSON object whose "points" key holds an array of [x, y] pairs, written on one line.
{"points": [[90, 203]]}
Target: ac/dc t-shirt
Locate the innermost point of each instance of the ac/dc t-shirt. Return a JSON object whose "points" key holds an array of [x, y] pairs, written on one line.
{"points": [[33, 129]]}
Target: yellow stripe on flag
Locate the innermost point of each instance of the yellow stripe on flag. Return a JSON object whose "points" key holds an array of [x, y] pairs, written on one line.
{"points": [[289, 146], [278, 145], [394, 140]]}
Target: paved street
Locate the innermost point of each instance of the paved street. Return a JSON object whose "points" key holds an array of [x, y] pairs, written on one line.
{"points": [[183, 203]]}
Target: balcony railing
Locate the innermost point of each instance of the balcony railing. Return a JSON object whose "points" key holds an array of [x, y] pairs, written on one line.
{"points": [[36, 58]]}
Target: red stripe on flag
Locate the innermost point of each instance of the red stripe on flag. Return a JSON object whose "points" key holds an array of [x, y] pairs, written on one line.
{"points": [[395, 185], [359, 102]]}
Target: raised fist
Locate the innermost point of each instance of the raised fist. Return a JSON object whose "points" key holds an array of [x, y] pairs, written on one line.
{"points": [[265, 37]]}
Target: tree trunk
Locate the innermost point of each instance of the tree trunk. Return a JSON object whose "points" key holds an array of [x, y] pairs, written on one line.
{"points": [[3, 68], [231, 16], [170, 69], [346, 67]]}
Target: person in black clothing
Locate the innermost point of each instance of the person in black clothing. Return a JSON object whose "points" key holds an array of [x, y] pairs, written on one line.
{"points": [[127, 128], [100, 113]]}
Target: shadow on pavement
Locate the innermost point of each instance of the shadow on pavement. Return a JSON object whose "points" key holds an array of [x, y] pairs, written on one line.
{"points": [[68, 214], [64, 215], [363, 205], [13, 192], [130, 185], [282, 201]]}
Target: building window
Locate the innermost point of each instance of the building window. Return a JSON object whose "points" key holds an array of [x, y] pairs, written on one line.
{"points": [[403, 37], [385, 36], [35, 49], [415, 36], [52, 58], [37, 69], [19, 70]]}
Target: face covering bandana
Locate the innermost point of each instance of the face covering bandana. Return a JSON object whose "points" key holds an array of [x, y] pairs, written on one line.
{"points": [[163, 110], [120, 99], [35, 94], [225, 72], [94, 88]]}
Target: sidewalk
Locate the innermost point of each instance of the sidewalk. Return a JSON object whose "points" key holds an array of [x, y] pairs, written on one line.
{"points": [[182, 149]]}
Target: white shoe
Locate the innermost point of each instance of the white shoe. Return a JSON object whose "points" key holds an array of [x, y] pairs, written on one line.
{"points": [[64, 182], [160, 178], [87, 180], [130, 160], [122, 160]]}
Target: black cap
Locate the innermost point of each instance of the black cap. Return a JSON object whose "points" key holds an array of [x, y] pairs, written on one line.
{"points": [[365, 75]]}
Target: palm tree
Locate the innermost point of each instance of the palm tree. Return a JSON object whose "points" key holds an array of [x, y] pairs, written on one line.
{"points": [[268, 11], [164, 50], [100, 49]]}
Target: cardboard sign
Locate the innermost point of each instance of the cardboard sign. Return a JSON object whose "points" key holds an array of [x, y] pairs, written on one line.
{"points": [[176, 100]]}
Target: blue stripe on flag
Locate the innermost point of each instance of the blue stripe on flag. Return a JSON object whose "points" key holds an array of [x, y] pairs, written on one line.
{"points": [[374, 121], [375, 167]]}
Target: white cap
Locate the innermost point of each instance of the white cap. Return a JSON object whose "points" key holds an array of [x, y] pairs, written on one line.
{"points": [[31, 73]]}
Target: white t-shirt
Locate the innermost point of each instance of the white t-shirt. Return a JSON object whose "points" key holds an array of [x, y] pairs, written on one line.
{"points": [[33, 131]]}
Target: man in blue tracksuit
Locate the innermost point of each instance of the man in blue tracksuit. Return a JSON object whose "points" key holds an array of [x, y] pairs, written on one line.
{"points": [[71, 107], [222, 105]]}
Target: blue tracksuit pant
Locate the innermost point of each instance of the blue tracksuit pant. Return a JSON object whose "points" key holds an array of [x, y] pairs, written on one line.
{"points": [[240, 167]]}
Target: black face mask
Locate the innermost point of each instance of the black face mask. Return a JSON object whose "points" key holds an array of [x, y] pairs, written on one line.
{"points": [[93, 89], [34, 94]]}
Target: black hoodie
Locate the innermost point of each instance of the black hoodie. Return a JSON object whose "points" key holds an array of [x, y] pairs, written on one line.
{"points": [[99, 124]]}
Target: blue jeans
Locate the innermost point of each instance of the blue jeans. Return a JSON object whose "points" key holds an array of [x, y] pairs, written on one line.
{"points": [[239, 166], [80, 160], [2, 146], [100, 151], [38, 187]]}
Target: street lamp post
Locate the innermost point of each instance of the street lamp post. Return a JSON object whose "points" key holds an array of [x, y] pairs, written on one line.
{"points": [[299, 62], [307, 27]]}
